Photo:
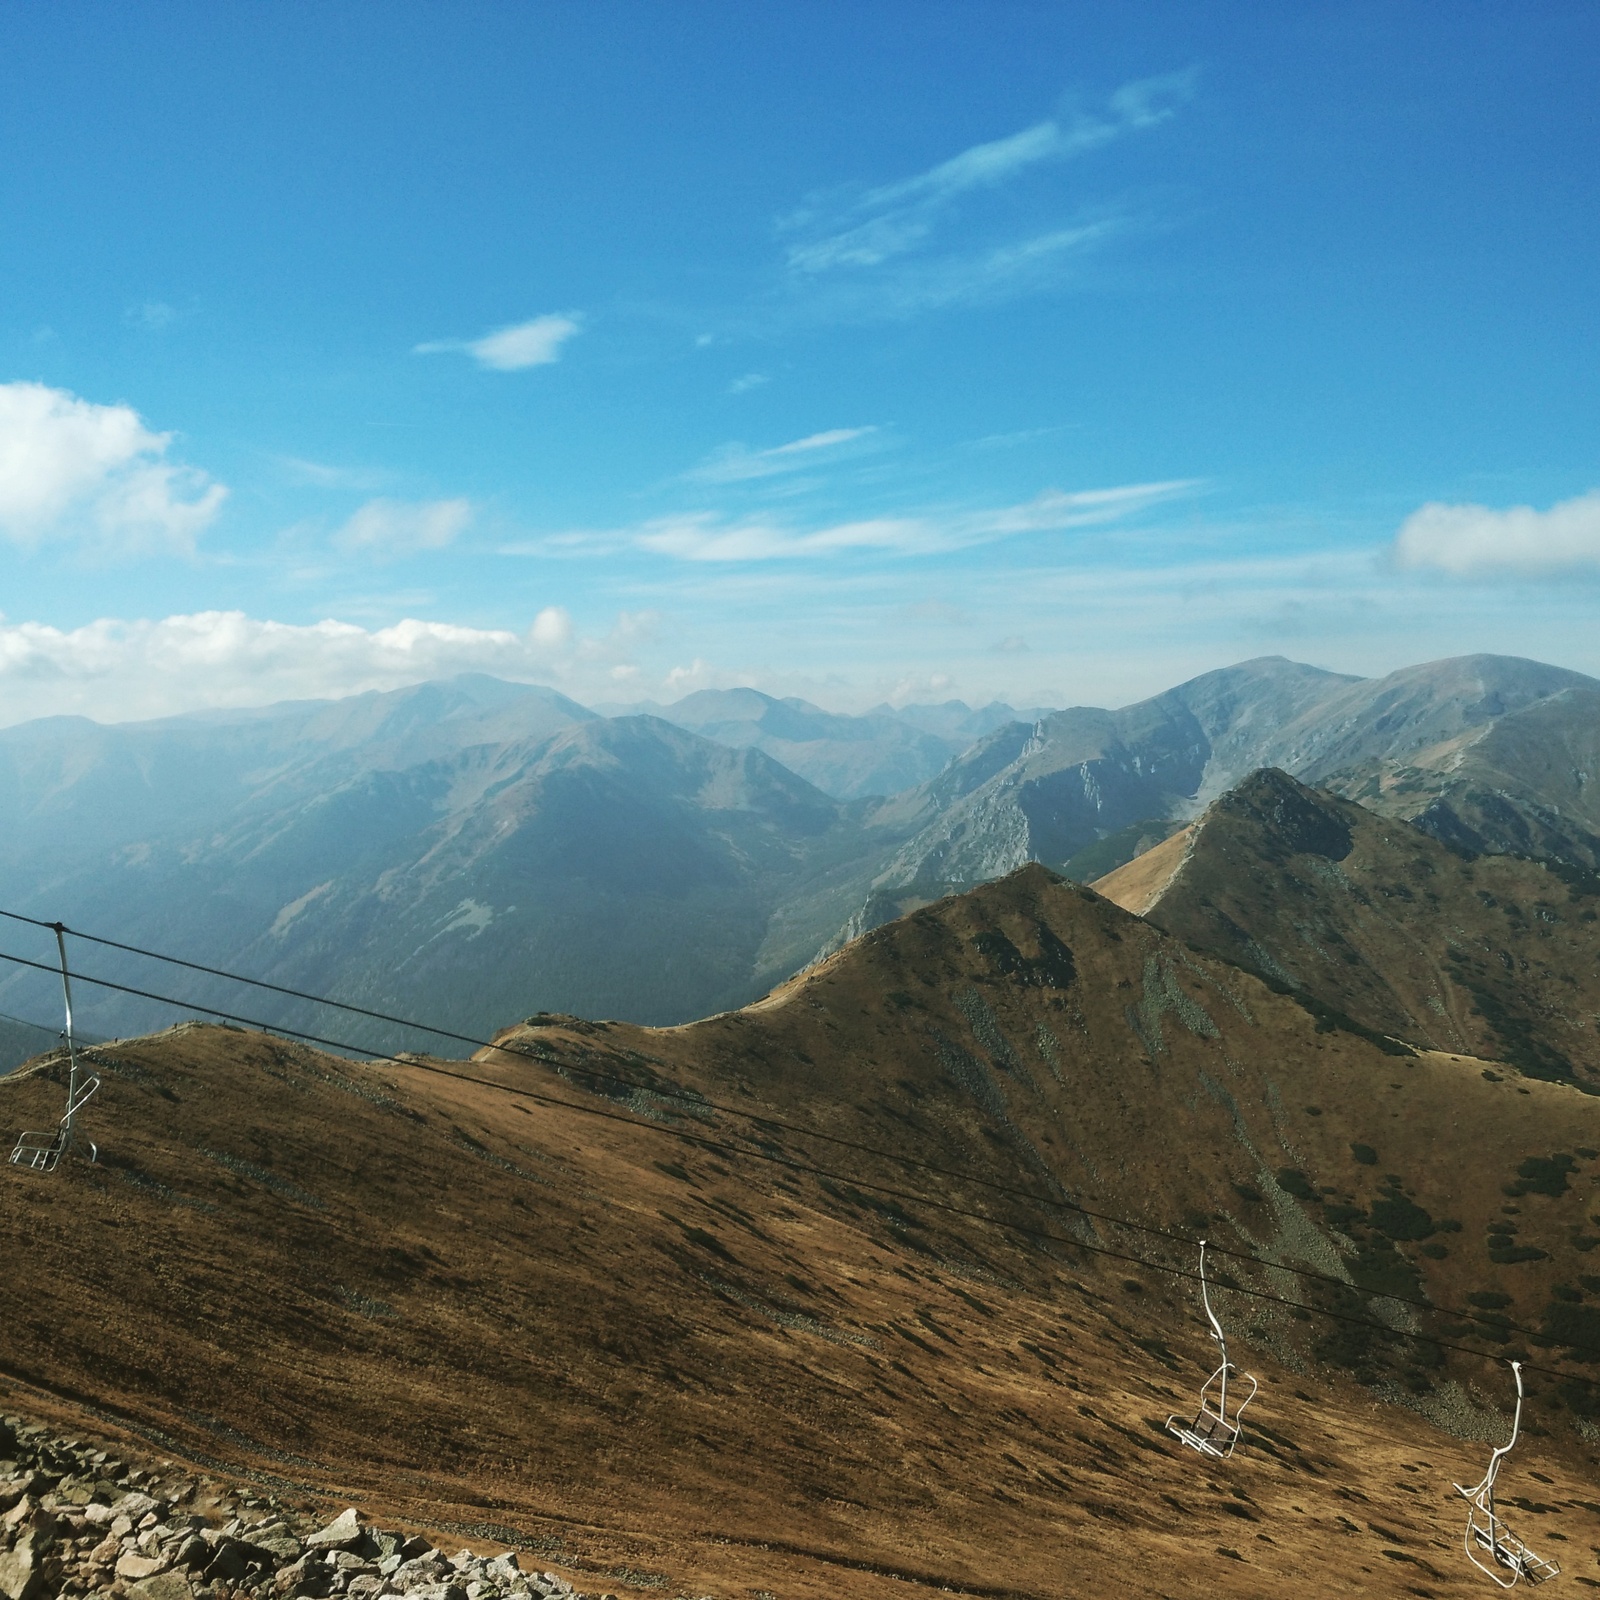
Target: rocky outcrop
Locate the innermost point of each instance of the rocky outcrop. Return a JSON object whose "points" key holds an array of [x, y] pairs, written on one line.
{"points": [[76, 1521]]}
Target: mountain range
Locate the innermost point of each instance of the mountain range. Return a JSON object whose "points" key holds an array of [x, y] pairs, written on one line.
{"points": [[474, 850]]}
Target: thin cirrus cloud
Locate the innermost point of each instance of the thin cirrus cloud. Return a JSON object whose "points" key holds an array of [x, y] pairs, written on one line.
{"points": [[76, 472], [399, 528], [884, 246], [1469, 541], [536, 343], [710, 537], [737, 463]]}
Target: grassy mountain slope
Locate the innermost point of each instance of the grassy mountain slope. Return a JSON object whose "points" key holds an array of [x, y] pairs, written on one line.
{"points": [[691, 1363], [1495, 956]]}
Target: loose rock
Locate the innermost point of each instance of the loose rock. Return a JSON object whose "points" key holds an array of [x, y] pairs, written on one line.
{"points": [[76, 1521]]}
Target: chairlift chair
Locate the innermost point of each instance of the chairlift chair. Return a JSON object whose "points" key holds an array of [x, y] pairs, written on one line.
{"points": [[42, 1152], [1212, 1431], [1487, 1535]]}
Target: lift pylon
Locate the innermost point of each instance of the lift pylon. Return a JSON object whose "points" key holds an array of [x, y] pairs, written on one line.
{"points": [[1212, 1431], [1487, 1534], [42, 1152]]}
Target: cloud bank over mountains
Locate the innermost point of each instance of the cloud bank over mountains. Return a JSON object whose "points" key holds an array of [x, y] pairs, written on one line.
{"points": [[117, 670]]}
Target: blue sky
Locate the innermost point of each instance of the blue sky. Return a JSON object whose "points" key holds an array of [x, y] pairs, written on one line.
{"points": [[1049, 352]]}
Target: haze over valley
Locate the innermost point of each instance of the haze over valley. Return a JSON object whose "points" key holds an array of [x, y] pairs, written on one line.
{"points": [[474, 850]]}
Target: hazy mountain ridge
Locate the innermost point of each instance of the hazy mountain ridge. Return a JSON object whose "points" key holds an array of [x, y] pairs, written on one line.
{"points": [[882, 752], [363, 847], [623, 864], [1488, 752]]}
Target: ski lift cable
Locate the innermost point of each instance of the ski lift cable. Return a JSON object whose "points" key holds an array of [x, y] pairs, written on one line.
{"points": [[255, 983], [693, 1098], [722, 1147], [26, 1022], [1486, 1319]]}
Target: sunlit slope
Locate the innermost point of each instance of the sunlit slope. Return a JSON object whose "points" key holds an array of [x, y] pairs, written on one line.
{"points": [[1493, 955], [650, 1329]]}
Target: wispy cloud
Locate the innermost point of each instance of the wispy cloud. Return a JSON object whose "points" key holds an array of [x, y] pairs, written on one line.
{"points": [[151, 316], [513, 349], [321, 475], [706, 536], [737, 463], [1478, 541], [396, 528], [94, 475], [853, 232], [751, 380]]}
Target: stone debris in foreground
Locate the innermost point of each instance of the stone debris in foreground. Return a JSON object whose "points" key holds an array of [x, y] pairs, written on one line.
{"points": [[75, 1521]]}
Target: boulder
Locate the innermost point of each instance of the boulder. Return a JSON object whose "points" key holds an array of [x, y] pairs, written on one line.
{"points": [[307, 1576], [15, 1489], [20, 1577], [134, 1566], [230, 1561], [343, 1533], [281, 1547], [164, 1586], [135, 1507]]}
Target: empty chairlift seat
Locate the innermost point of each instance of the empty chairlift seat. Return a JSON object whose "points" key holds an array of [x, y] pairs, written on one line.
{"points": [[1213, 1430]]}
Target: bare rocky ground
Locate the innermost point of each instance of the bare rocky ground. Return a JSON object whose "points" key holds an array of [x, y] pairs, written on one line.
{"points": [[80, 1520]]}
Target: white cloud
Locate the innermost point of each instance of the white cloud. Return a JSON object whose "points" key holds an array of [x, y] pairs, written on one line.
{"points": [[751, 380], [72, 470], [736, 463], [552, 628], [1471, 540], [865, 228], [524, 344], [395, 528], [704, 536], [114, 670]]}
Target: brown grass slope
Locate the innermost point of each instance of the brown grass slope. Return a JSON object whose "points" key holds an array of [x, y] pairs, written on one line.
{"points": [[643, 1335], [1494, 956]]}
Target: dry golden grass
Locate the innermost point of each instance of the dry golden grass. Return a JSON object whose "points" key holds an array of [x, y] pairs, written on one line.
{"points": [[656, 1345]]}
